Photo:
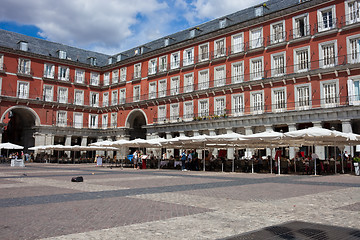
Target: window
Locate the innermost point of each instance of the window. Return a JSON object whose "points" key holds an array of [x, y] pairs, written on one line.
{"points": [[352, 11], [326, 18], [93, 61], [49, 70], [256, 38], [203, 110], [114, 120], [24, 66], [63, 73], [203, 80], [162, 88], [327, 55], [188, 58], [238, 104], [174, 112], [94, 99], [23, 46], [152, 66], [136, 93], [79, 97], [93, 121], [94, 78], [152, 90], [192, 33], [256, 68], [188, 82], [222, 23], [1, 62], [219, 48], [166, 42], [104, 121], [106, 79], [204, 52], [220, 76], [0, 86], [329, 93], [23, 89], [277, 32], [162, 64], [237, 72], [257, 102], [175, 86], [122, 96], [279, 99], [353, 49], [105, 99], [115, 76], [62, 54], [110, 60], [48, 93], [302, 97], [79, 76], [302, 59], [78, 120], [123, 74], [278, 64], [114, 97], [175, 60], [188, 110], [162, 113], [259, 11], [219, 106], [62, 95], [237, 43], [137, 70], [61, 118], [301, 27], [354, 90]]}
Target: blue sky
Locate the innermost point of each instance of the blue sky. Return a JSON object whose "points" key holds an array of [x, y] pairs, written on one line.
{"points": [[110, 26]]}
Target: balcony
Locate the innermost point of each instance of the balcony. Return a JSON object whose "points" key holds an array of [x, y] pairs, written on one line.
{"points": [[25, 72], [136, 76]]}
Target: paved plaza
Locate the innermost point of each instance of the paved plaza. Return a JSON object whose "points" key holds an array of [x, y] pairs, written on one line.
{"points": [[40, 202]]}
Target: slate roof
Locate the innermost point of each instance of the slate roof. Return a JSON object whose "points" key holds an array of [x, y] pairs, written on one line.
{"points": [[47, 48]]}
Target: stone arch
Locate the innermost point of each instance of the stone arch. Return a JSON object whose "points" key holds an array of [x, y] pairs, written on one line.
{"points": [[35, 116], [134, 122]]}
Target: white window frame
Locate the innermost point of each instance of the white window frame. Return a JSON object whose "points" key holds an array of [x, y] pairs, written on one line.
{"points": [[277, 71], [96, 99], [162, 88], [123, 74], [0, 86], [63, 99], [24, 92], [78, 124], [279, 106], [257, 109], [203, 111], [254, 73], [336, 99], [187, 116], [79, 76], [24, 66], [321, 26], [353, 55], [63, 73], [237, 110], [203, 56], [152, 66], [115, 76], [104, 120], [62, 54], [296, 30], [122, 96], [162, 113], [114, 97], [152, 90], [274, 37], [163, 67], [219, 110], [174, 112], [105, 100], [175, 63], [81, 100], [237, 47], [136, 97], [93, 120], [45, 97], [175, 85], [188, 85], [188, 56], [304, 104], [49, 70], [219, 78], [256, 43], [1, 62], [204, 84], [94, 78], [219, 52], [296, 64], [113, 120], [324, 63], [106, 79], [352, 17], [354, 91], [137, 70], [237, 77], [61, 122]]}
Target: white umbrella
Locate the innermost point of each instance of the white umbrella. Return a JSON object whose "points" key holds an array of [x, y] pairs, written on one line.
{"points": [[10, 146]]}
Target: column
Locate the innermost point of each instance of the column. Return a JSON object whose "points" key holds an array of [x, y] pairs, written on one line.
{"points": [[83, 143], [169, 151], [100, 153], [249, 151], [230, 151], [347, 128], [111, 152], [319, 150], [215, 152], [123, 151], [68, 143], [199, 152], [268, 128], [292, 127]]}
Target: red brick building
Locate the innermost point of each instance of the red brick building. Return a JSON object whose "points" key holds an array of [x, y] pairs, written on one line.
{"points": [[282, 65]]}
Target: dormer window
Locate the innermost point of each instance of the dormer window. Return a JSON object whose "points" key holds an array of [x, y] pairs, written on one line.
{"points": [[259, 11], [167, 42], [192, 33], [62, 54], [92, 61], [222, 23], [110, 60], [23, 46], [137, 51]]}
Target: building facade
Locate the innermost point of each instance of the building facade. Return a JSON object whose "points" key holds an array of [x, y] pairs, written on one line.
{"points": [[282, 65]]}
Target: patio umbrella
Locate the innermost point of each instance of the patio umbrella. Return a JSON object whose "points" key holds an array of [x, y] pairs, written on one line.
{"points": [[10, 146]]}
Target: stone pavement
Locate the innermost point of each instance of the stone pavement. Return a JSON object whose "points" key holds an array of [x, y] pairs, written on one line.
{"points": [[40, 202]]}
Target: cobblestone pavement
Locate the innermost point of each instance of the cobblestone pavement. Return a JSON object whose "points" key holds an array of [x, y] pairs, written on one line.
{"points": [[40, 202]]}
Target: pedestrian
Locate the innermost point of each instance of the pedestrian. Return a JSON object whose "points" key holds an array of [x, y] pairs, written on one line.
{"points": [[135, 159], [183, 160], [189, 159]]}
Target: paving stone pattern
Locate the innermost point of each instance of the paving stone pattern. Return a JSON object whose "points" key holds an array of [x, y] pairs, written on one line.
{"points": [[40, 202]]}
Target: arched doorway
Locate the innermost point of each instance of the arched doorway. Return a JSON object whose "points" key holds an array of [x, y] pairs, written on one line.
{"points": [[18, 126], [135, 122]]}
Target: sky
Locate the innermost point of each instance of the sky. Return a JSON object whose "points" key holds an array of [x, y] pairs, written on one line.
{"points": [[110, 26]]}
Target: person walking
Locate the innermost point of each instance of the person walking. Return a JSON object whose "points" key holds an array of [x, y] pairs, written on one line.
{"points": [[183, 160]]}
